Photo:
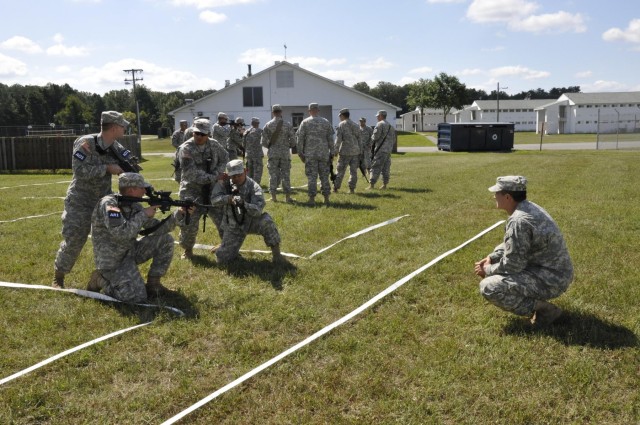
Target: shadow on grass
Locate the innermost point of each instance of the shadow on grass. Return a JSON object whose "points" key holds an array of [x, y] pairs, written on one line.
{"points": [[263, 269], [576, 328], [411, 190], [175, 299], [377, 194], [338, 205]]}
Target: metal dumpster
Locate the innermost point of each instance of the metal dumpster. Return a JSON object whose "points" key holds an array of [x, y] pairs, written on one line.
{"points": [[466, 136]]}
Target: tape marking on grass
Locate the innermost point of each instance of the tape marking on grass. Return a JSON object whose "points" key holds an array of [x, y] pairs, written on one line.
{"points": [[325, 330], [31, 216]]}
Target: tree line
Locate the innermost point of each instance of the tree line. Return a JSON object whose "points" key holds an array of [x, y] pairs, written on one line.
{"points": [[63, 106]]}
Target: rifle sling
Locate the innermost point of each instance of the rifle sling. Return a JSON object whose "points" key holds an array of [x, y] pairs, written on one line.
{"points": [[276, 133]]}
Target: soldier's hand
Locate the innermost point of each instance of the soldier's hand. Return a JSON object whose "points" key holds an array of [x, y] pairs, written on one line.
{"points": [[114, 169], [151, 211], [237, 201]]}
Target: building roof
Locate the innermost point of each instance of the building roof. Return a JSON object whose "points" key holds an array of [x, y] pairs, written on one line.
{"points": [[279, 64], [509, 104], [428, 111], [602, 97]]}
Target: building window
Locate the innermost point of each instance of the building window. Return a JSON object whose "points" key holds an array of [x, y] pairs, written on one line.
{"points": [[252, 96], [473, 115], [284, 79]]}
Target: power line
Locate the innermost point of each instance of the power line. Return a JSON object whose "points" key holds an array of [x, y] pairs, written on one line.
{"points": [[135, 98]]}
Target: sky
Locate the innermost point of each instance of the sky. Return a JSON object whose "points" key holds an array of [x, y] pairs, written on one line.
{"points": [[198, 44]]}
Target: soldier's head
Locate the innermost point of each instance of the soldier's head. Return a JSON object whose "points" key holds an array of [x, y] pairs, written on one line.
{"points": [[363, 122], [132, 184], [276, 110], [183, 125], [344, 114], [201, 129], [314, 109], [236, 172], [255, 122], [222, 118], [381, 115], [509, 191], [113, 124]]}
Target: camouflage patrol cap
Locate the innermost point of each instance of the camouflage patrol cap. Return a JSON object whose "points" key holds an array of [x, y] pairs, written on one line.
{"points": [[222, 115], [313, 106], [235, 167], [510, 184], [363, 119], [344, 111], [276, 108], [183, 121], [113, 117], [240, 120], [131, 180], [382, 113], [202, 125], [255, 120]]}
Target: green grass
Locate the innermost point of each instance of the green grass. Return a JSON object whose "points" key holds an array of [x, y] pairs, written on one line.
{"points": [[433, 352]]}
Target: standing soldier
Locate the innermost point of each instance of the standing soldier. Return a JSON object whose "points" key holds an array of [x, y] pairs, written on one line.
{"points": [[365, 137], [201, 160], [278, 138], [234, 145], [349, 146], [93, 163], [177, 138], [221, 130], [315, 148], [253, 150], [383, 139]]}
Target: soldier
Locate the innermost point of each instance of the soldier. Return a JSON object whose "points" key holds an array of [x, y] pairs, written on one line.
{"points": [[93, 163], [243, 202], [382, 139], [316, 150], [115, 225], [234, 144], [349, 146], [177, 138], [253, 150], [278, 138], [221, 130], [532, 265], [201, 161], [365, 136]]}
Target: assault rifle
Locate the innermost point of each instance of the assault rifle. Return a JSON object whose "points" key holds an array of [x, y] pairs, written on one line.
{"points": [[128, 165], [163, 199]]}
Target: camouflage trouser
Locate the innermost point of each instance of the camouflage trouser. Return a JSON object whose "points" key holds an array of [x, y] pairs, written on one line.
{"points": [[232, 154], [234, 237], [381, 164], [255, 169], [315, 168], [279, 170], [76, 225], [366, 160], [189, 232], [125, 282], [353, 162], [518, 293]]}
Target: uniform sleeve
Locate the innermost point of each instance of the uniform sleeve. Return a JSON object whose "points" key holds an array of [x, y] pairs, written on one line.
{"points": [[266, 136], [291, 137], [121, 227], [85, 161], [302, 130], [255, 203], [517, 244], [219, 196], [190, 171]]}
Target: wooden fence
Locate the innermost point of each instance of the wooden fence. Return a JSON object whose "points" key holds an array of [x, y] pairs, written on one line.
{"points": [[46, 152]]}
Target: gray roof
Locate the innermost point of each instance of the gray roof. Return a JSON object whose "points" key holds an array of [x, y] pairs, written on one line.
{"points": [[603, 97], [512, 104]]}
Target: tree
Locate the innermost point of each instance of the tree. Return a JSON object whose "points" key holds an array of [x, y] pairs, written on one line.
{"points": [[418, 98], [75, 111], [362, 87], [445, 92], [390, 93]]}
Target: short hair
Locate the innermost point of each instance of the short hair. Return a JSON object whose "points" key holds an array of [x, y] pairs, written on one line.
{"points": [[106, 126], [517, 196], [346, 114]]}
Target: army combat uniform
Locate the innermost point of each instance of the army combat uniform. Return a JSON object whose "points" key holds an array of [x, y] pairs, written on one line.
{"points": [[254, 153], [117, 253], [278, 154], [177, 138], [220, 134], [365, 137], [349, 146], [315, 144], [234, 143], [382, 139], [532, 263]]}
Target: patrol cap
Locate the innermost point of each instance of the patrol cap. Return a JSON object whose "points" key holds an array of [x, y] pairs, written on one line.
{"points": [[202, 125], [276, 108], [255, 120], [113, 117], [131, 180], [222, 115], [363, 119], [382, 112], [235, 167], [183, 121], [510, 184], [240, 120], [344, 111], [313, 106]]}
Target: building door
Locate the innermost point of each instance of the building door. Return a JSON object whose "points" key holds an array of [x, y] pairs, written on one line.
{"points": [[296, 119]]}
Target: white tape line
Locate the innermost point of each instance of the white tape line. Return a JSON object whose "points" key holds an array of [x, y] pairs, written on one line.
{"points": [[34, 184], [257, 251], [42, 197], [368, 229], [65, 353], [31, 216], [86, 294], [324, 330]]}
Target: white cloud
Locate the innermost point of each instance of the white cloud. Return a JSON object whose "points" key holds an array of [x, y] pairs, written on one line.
{"points": [[445, 1], [406, 80], [550, 22], [60, 49], [518, 71], [486, 11], [21, 44], [58, 38], [212, 17], [379, 63], [63, 69], [493, 49], [602, 85], [265, 58], [11, 67], [421, 70], [631, 34], [210, 4], [469, 71], [583, 74]]}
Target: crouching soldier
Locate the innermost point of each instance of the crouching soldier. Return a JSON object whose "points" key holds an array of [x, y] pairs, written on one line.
{"points": [[243, 203], [115, 225]]}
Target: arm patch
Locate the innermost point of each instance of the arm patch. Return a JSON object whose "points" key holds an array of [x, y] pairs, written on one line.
{"points": [[126, 153], [79, 155]]}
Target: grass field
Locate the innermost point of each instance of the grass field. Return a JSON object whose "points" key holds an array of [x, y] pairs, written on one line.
{"points": [[433, 352]]}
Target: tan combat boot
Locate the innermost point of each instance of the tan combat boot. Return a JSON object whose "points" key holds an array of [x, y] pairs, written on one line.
{"points": [[155, 289], [545, 313], [384, 186], [312, 201], [273, 197], [288, 199], [370, 187], [277, 257], [326, 200], [187, 254], [58, 280], [96, 282]]}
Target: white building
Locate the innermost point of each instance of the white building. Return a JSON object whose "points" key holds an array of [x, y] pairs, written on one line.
{"points": [[413, 120], [519, 112], [590, 113], [293, 88]]}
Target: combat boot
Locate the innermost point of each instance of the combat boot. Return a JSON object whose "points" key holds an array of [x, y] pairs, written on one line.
{"points": [[273, 197], [370, 187], [384, 186], [187, 254], [215, 248], [155, 289], [96, 282], [58, 280], [352, 191], [277, 257], [326, 200], [545, 313], [288, 199], [312, 201]]}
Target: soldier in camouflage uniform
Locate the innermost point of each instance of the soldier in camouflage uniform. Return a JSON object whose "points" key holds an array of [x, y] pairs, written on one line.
{"points": [[316, 150], [253, 148], [278, 138], [234, 144], [93, 165], [349, 148], [243, 202], [532, 265], [115, 225], [221, 130], [382, 139], [177, 138], [201, 160], [365, 136]]}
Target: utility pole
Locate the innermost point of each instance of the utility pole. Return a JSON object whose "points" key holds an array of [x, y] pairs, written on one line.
{"points": [[498, 102], [135, 97]]}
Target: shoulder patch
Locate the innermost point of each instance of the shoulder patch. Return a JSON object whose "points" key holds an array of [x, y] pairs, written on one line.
{"points": [[126, 153], [79, 155], [85, 146]]}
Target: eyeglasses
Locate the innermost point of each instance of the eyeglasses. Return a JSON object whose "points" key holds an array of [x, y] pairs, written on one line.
{"points": [[195, 133]]}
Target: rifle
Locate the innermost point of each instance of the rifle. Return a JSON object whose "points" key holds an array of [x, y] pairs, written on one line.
{"points": [[163, 199], [331, 170], [375, 151], [363, 170], [127, 165]]}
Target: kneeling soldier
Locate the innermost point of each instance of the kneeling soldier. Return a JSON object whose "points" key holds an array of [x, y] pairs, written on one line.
{"points": [[117, 253], [243, 203]]}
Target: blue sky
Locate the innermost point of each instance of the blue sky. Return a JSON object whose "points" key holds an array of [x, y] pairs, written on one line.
{"points": [[198, 44]]}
